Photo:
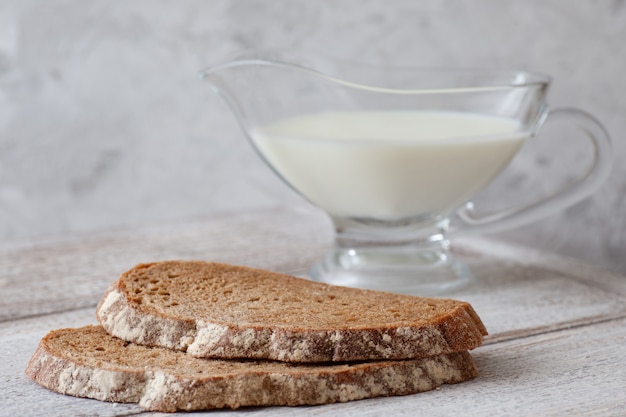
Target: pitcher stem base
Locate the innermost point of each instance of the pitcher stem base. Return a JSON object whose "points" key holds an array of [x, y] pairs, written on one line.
{"points": [[407, 269]]}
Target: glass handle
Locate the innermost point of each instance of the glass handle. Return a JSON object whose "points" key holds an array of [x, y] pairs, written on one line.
{"points": [[567, 196]]}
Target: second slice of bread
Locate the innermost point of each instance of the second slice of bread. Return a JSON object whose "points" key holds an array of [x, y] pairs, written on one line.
{"points": [[88, 362], [224, 311]]}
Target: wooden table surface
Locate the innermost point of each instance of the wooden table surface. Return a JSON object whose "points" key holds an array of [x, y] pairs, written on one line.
{"points": [[557, 343]]}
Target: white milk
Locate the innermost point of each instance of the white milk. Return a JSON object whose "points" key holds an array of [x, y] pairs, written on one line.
{"points": [[389, 165]]}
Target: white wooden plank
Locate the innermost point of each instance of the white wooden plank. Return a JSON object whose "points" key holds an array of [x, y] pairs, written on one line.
{"points": [[516, 290], [516, 299], [593, 275], [57, 276], [578, 371]]}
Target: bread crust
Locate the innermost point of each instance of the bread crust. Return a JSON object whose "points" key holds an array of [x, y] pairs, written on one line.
{"points": [[94, 372], [457, 329]]}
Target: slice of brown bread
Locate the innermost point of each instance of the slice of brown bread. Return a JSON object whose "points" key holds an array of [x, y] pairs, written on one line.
{"points": [[88, 362], [224, 311]]}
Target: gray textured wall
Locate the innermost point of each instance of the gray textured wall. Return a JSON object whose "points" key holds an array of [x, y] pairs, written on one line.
{"points": [[103, 123]]}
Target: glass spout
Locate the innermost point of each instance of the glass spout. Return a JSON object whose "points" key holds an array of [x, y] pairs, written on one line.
{"points": [[262, 87]]}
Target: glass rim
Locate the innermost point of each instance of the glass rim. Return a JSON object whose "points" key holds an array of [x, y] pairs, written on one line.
{"points": [[519, 79]]}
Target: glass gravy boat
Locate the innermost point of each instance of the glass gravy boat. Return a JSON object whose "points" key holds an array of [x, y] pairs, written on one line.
{"points": [[394, 154]]}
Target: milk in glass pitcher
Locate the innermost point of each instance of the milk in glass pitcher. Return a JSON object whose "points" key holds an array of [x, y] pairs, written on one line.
{"points": [[395, 155]]}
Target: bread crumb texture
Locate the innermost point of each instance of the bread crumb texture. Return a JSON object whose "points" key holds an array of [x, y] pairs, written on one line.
{"points": [[226, 311], [88, 362]]}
